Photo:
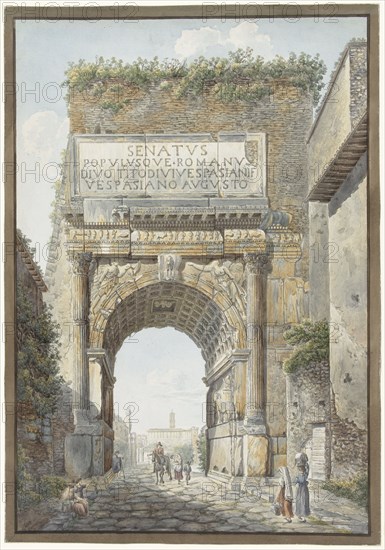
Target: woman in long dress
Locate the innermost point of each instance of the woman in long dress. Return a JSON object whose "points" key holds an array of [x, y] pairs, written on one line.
{"points": [[302, 501], [285, 494], [178, 468]]}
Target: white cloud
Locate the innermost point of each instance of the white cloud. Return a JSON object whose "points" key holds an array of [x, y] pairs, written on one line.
{"points": [[44, 135], [246, 35], [41, 139], [196, 41], [211, 41]]}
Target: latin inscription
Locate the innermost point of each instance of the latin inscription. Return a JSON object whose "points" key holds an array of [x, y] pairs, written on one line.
{"points": [[180, 168]]}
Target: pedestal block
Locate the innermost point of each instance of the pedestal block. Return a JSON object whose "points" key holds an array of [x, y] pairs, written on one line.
{"points": [[258, 453], [88, 451]]}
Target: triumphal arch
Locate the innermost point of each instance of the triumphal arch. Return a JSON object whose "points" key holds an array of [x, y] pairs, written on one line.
{"points": [[176, 230]]}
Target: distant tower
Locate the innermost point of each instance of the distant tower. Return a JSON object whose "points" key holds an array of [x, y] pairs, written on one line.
{"points": [[172, 420]]}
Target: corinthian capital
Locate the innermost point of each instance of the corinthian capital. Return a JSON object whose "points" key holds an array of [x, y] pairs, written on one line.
{"points": [[256, 263], [80, 262]]}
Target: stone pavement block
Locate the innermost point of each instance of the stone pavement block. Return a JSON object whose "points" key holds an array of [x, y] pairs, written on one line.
{"points": [[179, 509]]}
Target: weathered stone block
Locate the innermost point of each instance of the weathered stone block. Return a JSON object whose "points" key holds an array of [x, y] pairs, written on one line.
{"points": [[278, 461], [257, 455], [78, 455], [281, 441], [274, 445]]}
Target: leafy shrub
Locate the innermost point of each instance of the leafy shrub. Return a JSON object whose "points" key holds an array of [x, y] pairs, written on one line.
{"points": [[52, 486], [355, 489], [31, 491], [238, 77], [311, 343], [202, 450], [38, 379], [186, 451]]}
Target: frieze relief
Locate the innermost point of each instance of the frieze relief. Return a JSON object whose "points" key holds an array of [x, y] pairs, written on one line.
{"points": [[107, 278], [224, 277], [143, 236], [107, 235], [284, 243], [103, 241]]}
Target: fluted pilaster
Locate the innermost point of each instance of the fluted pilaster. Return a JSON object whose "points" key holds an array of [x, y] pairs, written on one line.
{"points": [[256, 268], [80, 267]]}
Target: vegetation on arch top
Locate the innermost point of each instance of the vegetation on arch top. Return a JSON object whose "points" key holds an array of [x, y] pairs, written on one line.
{"points": [[238, 77]]}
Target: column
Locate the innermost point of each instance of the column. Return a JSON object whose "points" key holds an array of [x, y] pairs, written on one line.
{"points": [[83, 451], [256, 449], [255, 273], [80, 266]]}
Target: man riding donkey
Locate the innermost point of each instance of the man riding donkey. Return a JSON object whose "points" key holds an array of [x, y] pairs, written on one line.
{"points": [[157, 452], [161, 463]]}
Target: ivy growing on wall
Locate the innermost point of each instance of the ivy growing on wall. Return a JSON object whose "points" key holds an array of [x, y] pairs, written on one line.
{"points": [[311, 344], [238, 77], [38, 379]]}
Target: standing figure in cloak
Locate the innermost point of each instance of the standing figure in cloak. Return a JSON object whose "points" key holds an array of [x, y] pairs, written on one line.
{"points": [[302, 500], [178, 468], [285, 494]]}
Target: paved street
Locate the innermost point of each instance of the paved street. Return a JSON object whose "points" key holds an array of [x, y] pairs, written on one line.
{"points": [[136, 503]]}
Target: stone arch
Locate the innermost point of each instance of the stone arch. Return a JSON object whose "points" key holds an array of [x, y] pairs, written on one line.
{"points": [[172, 304], [203, 298], [135, 277]]}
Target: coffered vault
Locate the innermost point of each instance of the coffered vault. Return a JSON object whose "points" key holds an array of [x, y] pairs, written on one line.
{"points": [[175, 305]]}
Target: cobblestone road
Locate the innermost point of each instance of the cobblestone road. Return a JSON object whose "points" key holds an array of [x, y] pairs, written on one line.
{"points": [[136, 503]]}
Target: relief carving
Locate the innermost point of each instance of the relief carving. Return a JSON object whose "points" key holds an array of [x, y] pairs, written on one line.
{"points": [[109, 276], [145, 236], [225, 278], [168, 266]]}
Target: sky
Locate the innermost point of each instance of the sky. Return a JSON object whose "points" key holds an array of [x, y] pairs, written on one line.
{"points": [[43, 51], [159, 370]]}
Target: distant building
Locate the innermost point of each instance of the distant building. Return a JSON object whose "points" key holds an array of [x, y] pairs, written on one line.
{"points": [[125, 441], [141, 448], [29, 273], [172, 419], [173, 437]]}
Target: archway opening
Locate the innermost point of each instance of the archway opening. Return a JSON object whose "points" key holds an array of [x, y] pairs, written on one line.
{"points": [[206, 319], [159, 396]]}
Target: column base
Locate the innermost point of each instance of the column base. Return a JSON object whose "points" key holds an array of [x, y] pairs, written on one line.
{"points": [[255, 424]]}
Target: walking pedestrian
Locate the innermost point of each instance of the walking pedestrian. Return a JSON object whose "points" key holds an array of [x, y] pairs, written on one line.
{"points": [[187, 470], [285, 494], [117, 463], [178, 468]]}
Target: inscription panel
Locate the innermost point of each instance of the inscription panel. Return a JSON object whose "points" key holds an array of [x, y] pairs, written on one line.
{"points": [[184, 165]]}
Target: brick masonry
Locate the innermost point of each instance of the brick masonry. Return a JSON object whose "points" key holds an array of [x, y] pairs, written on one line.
{"points": [[285, 116], [308, 404]]}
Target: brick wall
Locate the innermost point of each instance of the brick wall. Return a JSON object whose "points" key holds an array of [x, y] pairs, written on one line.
{"points": [[285, 115], [308, 405], [358, 80], [349, 446]]}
